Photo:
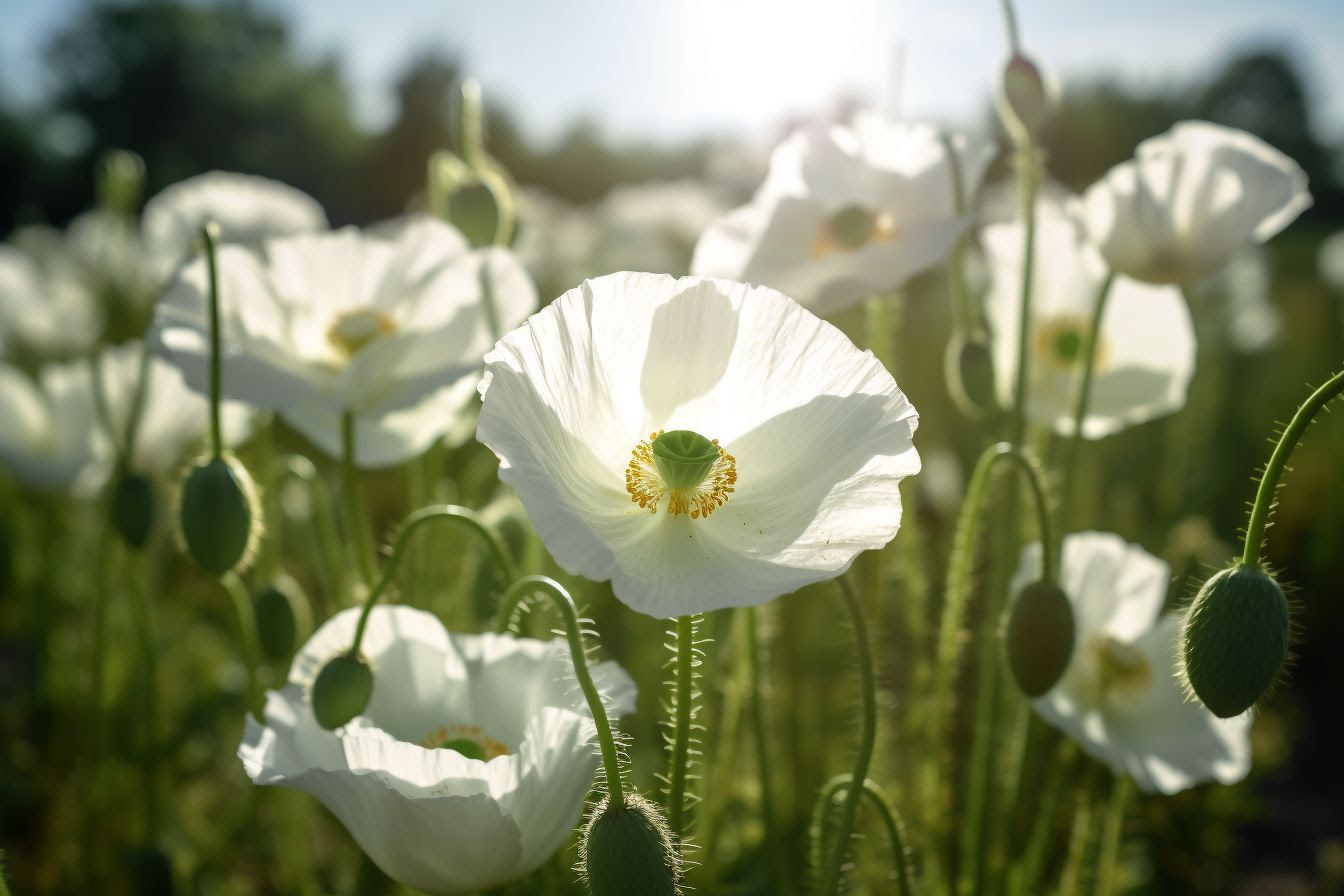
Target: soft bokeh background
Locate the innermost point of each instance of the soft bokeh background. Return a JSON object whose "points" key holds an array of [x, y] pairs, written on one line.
{"points": [[584, 99]]}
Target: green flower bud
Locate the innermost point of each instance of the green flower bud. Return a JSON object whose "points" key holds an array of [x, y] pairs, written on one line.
{"points": [[1235, 639], [341, 691], [121, 181], [683, 458], [1025, 98], [628, 849], [969, 369], [217, 515], [1039, 637], [473, 209], [133, 508], [282, 617]]}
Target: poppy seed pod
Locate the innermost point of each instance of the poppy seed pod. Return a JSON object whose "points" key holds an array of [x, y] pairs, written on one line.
{"points": [[1235, 639], [1025, 98], [628, 849], [341, 691], [217, 514], [133, 508], [1039, 637], [282, 617]]}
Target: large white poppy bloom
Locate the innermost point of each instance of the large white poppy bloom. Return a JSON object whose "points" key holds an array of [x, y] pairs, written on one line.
{"points": [[247, 209], [47, 308], [1145, 353], [49, 436], [1120, 697], [1190, 200], [390, 326], [700, 443], [847, 212], [431, 816]]}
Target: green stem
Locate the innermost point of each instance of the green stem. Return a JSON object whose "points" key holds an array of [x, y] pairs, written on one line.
{"points": [[1043, 822], [867, 738], [887, 814], [683, 704], [1030, 179], [1083, 396], [144, 624], [569, 617], [1010, 25], [1263, 507], [1112, 834], [761, 736], [356, 519], [296, 466], [209, 237], [472, 131], [246, 618], [1070, 878], [440, 512], [488, 300]]}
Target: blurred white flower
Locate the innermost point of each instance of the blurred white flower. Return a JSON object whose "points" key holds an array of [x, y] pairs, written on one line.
{"points": [[1146, 346], [847, 212], [555, 239], [652, 226], [389, 326], [1252, 321], [47, 308], [1190, 200], [247, 209], [700, 443], [470, 766], [1120, 698], [170, 418], [50, 433]]}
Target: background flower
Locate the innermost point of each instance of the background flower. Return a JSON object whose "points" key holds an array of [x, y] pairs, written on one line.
{"points": [[49, 436], [430, 816]]}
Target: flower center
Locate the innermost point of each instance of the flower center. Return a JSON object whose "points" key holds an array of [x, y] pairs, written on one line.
{"points": [[1061, 340], [356, 328], [694, 472], [1123, 667], [469, 740], [852, 227]]}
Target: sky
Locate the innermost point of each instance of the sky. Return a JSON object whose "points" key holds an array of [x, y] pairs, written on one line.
{"points": [[645, 69]]}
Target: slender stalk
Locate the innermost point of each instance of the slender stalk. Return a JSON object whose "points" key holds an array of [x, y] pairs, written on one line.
{"points": [[1010, 25], [1030, 179], [1070, 879], [356, 519], [760, 730], [1112, 834], [472, 133], [332, 567], [1083, 396], [246, 618], [867, 738], [569, 618], [1026, 874], [464, 516], [887, 814], [1263, 507], [144, 625], [682, 706], [209, 237]]}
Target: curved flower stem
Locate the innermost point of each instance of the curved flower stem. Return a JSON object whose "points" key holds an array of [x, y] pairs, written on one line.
{"points": [[1263, 507], [445, 512], [569, 618], [247, 634], [1112, 833], [1083, 396], [890, 818], [209, 237], [1030, 176], [1010, 25], [867, 737], [356, 519], [683, 703]]}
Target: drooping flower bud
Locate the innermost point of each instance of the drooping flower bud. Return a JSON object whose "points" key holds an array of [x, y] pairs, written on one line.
{"points": [[1235, 639], [627, 849], [1026, 98], [969, 369], [133, 508], [283, 617], [1039, 637], [341, 691], [217, 514]]}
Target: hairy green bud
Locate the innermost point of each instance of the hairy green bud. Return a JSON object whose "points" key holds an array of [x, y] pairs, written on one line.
{"points": [[341, 691], [1235, 639], [133, 508], [1039, 637], [628, 849], [217, 514], [282, 617]]}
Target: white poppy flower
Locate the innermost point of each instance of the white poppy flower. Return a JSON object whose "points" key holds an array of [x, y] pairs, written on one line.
{"points": [[1190, 200], [172, 418], [470, 766], [385, 325], [847, 212], [247, 209], [1145, 353], [1120, 697], [50, 434], [46, 306], [700, 443], [652, 226]]}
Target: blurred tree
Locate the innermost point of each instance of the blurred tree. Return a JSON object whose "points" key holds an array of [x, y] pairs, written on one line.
{"points": [[194, 87]]}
